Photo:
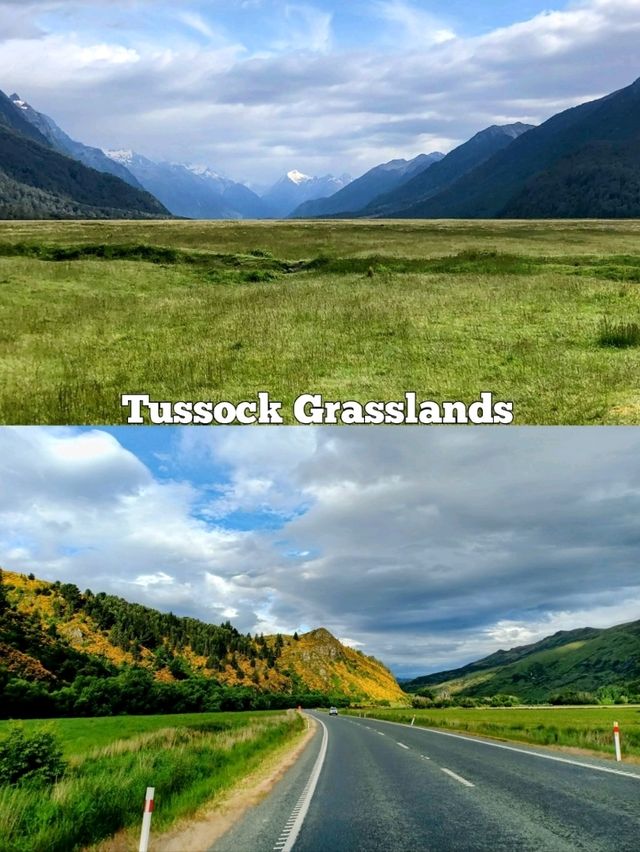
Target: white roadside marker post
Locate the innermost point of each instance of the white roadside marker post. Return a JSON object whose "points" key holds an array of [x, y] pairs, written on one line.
{"points": [[412, 721], [146, 820], [616, 739]]}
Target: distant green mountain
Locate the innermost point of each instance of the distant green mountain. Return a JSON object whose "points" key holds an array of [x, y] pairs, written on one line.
{"points": [[579, 162], [37, 182], [583, 660]]}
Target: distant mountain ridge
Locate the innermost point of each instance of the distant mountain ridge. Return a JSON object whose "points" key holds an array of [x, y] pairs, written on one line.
{"points": [[570, 152], [581, 660], [95, 158], [294, 188], [402, 202], [194, 192], [37, 181], [361, 191]]}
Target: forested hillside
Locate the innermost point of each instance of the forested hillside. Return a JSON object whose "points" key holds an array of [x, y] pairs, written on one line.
{"points": [[67, 652]]}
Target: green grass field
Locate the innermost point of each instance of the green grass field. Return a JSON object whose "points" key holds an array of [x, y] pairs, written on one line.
{"points": [[188, 759], [80, 736], [576, 727], [545, 314]]}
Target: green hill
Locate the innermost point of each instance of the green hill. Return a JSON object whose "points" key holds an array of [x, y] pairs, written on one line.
{"points": [[586, 660], [67, 652], [37, 182]]}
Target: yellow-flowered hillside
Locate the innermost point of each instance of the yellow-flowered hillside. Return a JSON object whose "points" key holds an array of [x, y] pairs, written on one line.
{"points": [[51, 630], [326, 665]]}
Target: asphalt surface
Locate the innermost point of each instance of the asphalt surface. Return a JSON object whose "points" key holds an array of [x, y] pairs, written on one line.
{"points": [[400, 789]]}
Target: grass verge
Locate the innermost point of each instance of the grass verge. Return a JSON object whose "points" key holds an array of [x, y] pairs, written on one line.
{"points": [[588, 728], [102, 790]]}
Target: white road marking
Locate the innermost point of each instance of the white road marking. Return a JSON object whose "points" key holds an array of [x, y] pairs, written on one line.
{"points": [[424, 757], [380, 732], [291, 830], [458, 777], [402, 745], [553, 757]]}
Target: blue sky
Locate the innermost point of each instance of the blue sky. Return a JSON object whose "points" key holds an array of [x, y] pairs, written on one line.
{"points": [[254, 88], [426, 548]]}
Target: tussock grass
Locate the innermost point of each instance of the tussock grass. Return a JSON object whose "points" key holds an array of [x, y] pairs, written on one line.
{"points": [[619, 335], [103, 792], [578, 727], [367, 310]]}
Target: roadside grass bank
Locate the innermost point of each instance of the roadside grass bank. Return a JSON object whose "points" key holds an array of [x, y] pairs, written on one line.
{"points": [[102, 789], [542, 314], [588, 728]]}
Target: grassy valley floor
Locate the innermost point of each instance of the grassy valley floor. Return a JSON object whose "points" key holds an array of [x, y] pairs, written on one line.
{"points": [[546, 314]]}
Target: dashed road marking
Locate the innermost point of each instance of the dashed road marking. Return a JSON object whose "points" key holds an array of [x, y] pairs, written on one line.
{"points": [[458, 777], [479, 741], [402, 745]]}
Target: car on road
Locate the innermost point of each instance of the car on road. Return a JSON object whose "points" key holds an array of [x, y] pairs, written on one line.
{"points": [[333, 711]]}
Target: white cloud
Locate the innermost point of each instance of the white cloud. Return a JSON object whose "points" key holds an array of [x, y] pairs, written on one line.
{"points": [[419, 29], [304, 98]]}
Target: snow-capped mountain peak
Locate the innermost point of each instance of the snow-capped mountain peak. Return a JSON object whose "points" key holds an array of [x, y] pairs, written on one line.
{"points": [[123, 156], [298, 177], [17, 100], [204, 171]]}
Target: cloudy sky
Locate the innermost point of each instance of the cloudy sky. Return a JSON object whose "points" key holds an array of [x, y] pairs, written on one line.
{"points": [[254, 88], [428, 548]]}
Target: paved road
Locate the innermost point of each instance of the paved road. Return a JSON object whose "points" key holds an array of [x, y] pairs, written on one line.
{"points": [[399, 789]]}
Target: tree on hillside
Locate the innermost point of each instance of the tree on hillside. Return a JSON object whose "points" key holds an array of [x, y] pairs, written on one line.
{"points": [[4, 603]]}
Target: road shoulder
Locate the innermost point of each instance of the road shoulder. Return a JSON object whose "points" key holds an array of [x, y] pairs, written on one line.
{"points": [[215, 819]]}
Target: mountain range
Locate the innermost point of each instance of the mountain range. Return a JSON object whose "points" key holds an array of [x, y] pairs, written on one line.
{"points": [[402, 201], [38, 181], [569, 662], [360, 192], [581, 163], [194, 192], [52, 632], [294, 188], [95, 158]]}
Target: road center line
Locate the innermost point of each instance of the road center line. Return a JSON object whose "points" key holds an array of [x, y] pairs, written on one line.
{"points": [[290, 833], [553, 757], [458, 777], [402, 745]]}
